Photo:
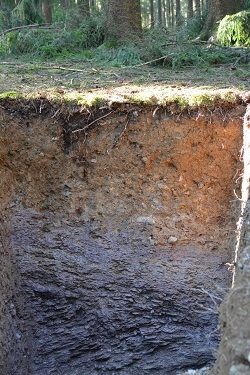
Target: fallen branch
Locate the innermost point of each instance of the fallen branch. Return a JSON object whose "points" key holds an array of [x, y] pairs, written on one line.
{"points": [[45, 67], [24, 27], [146, 63], [68, 69]]}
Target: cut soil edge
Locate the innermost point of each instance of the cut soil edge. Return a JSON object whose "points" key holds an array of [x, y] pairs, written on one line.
{"points": [[234, 352]]}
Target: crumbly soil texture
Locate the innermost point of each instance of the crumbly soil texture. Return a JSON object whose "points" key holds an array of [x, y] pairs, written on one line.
{"points": [[117, 225]]}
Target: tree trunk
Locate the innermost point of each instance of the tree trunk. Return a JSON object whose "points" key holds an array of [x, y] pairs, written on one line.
{"points": [[190, 10], [216, 10], [168, 14], [172, 12], [124, 20], [92, 5], [197, 9], [203, 8], [47, 11], [83, 6], [178, 12], [102, 5], [63, 4], [164, 13], [159, 12], [152, 17]]}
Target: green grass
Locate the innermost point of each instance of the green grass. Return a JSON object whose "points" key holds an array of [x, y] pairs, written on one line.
{"points": [[9, 94]]}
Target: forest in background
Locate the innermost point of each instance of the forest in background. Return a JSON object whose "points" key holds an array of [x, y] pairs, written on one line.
{"points": [[171, 33], [166, 13]]}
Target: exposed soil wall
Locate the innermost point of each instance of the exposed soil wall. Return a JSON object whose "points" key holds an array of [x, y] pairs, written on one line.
{"points": [[234, 352], [13, 350], [117, 236]]}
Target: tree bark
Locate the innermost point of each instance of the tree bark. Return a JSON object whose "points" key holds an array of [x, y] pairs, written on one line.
{"points": [[164, 13], [92, 5], [152, 17], [178, 12], [172, 12], [190, 10], [84, 8], [159, 12], [198, 9], [168, 14], [203, 8], [124, 20], [216, 10], [47, 11]]}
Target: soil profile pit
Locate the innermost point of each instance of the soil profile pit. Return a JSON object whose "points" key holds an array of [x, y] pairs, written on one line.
{"points": [[115, 234]]}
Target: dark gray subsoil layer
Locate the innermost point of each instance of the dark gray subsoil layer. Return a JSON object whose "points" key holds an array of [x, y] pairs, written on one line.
{"points": [[111, 303]]}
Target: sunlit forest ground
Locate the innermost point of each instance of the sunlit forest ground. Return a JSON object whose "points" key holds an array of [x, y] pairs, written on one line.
{"points": [[80, 81]]}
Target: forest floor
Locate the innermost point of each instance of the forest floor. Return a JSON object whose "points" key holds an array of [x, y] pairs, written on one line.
{"points": [[77, 81]]}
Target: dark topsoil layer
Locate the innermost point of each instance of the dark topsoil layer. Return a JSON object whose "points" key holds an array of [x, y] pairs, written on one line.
{"points": [[116, 227]]}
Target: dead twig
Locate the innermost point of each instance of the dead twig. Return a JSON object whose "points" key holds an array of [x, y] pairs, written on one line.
{"points": [[146, 63], [129, 116], [25, 27], [68, 69], [120, 136], [50, 67], [91, 123]]}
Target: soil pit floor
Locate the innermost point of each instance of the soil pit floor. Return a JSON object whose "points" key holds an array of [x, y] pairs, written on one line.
{"points": [[115, 237]]}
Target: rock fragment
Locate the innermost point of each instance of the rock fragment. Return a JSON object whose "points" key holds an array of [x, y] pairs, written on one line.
{"points": [[172, 240]]}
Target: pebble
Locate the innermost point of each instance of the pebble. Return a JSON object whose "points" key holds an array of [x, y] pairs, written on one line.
{"points": [[172, 240], [18, 336], [145, 220], [239, 369]]}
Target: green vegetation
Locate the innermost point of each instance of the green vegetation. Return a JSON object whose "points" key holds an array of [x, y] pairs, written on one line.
{"points": [[74, 37], [234, 30], [58, 40], [86, 43], [26, 12], [9, 94]]}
